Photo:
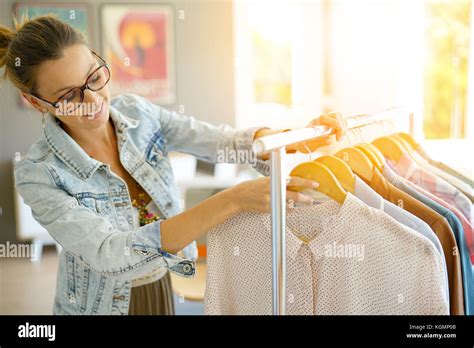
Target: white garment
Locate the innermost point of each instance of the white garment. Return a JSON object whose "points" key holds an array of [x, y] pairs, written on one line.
{"points": [[157, 273], [341, 259], [367, 195]]}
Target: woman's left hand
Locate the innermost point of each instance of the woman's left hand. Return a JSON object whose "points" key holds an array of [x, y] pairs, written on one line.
{"points": [[333, 120]]}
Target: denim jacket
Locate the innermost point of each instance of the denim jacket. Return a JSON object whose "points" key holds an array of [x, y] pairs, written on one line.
{"points": [[87, 208]]}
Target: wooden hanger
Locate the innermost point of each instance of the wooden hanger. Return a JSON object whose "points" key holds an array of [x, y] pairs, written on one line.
{"points": [[358, 162], [409, 149], [409, 139], [376, 152], [390, 148], [403, 143], [374, 159], [328, 183], [341, 171]]}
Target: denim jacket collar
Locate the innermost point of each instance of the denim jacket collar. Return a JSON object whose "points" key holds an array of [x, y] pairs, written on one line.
{"points": [[71, 153]]}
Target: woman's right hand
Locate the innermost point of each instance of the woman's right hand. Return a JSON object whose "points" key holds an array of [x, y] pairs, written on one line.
{"points": [[254, 195]]}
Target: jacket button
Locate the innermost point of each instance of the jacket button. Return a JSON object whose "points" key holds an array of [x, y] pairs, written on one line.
{"points": [[72, 298]]}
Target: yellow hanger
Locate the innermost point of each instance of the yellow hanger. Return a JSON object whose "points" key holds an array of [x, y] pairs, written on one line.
{"points": [[406, 147], [328, 183], [358, 162], [390, 148], [374, 159], [376, 152], [409, 139], [409, 149], [341, 171]]}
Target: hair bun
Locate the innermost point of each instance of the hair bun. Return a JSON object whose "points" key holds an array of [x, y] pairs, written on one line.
{"points": [[6, 36]]}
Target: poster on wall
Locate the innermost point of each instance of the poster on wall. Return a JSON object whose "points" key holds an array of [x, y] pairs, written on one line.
{"points": [[75, 14], [138, 44]]}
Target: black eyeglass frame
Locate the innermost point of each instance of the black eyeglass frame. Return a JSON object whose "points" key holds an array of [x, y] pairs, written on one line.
{"points": [[81, 88]]}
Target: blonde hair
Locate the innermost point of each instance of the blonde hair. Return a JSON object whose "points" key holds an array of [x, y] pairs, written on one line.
{"points": [[30, 43]]}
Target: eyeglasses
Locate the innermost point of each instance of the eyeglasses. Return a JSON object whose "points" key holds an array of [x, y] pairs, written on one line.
{"points": [[73, 99]]}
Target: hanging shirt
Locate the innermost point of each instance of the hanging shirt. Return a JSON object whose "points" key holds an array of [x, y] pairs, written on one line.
{"points": [[465, 189], [425, 196], [367, 195], [408, 169], [445, 168], [341, 259], [440, 227], [466, 267]]}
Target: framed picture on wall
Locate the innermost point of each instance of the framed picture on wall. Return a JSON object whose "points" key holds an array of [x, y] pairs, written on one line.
{"points": [[75, 14], [138, 44]]}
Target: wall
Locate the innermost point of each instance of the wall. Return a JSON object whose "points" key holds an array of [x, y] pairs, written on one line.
{"points": [[204, 78]]}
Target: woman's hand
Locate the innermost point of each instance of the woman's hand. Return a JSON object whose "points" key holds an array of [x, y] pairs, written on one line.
{"points": [[254, 195], [333, 120]]}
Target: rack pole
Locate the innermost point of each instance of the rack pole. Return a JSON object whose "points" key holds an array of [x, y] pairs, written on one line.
{"points": [[278, 199]]}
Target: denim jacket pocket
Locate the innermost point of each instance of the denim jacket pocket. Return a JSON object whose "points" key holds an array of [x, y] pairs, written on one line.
{"points": [[98, 203], [156, 148], [77, 283], [156, 155]]}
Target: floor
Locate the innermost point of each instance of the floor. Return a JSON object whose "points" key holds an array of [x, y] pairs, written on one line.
{"points": [[28, 287]]}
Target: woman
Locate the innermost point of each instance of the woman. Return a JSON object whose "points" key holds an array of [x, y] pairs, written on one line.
{"points": [[100, 182]]}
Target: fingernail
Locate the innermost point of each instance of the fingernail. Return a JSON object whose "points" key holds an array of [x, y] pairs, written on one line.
{"points": [[315, 184]]}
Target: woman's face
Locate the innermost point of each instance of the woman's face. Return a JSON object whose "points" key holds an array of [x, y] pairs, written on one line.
{"points": [[56, 77]]}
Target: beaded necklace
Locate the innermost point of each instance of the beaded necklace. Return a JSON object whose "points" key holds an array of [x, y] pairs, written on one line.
{"points": [[144, 216]]}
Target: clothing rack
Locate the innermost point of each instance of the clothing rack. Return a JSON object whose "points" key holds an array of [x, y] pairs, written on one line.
{"points": [[276, 145]]}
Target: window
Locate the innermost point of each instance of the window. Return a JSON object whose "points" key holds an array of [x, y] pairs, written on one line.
{"points": [[447, 36], [278, 69]]}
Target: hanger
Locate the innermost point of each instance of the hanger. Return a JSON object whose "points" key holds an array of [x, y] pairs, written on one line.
{"points": [[390, 148], [409, 149], [372, 148], [409, 139], [403, 143], [374, 159], [328, 183], [341, 171], [358, 162]]}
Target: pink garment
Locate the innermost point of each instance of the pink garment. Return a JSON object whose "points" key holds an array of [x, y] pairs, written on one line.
{"points": [[409, 169], [468, 232]]}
